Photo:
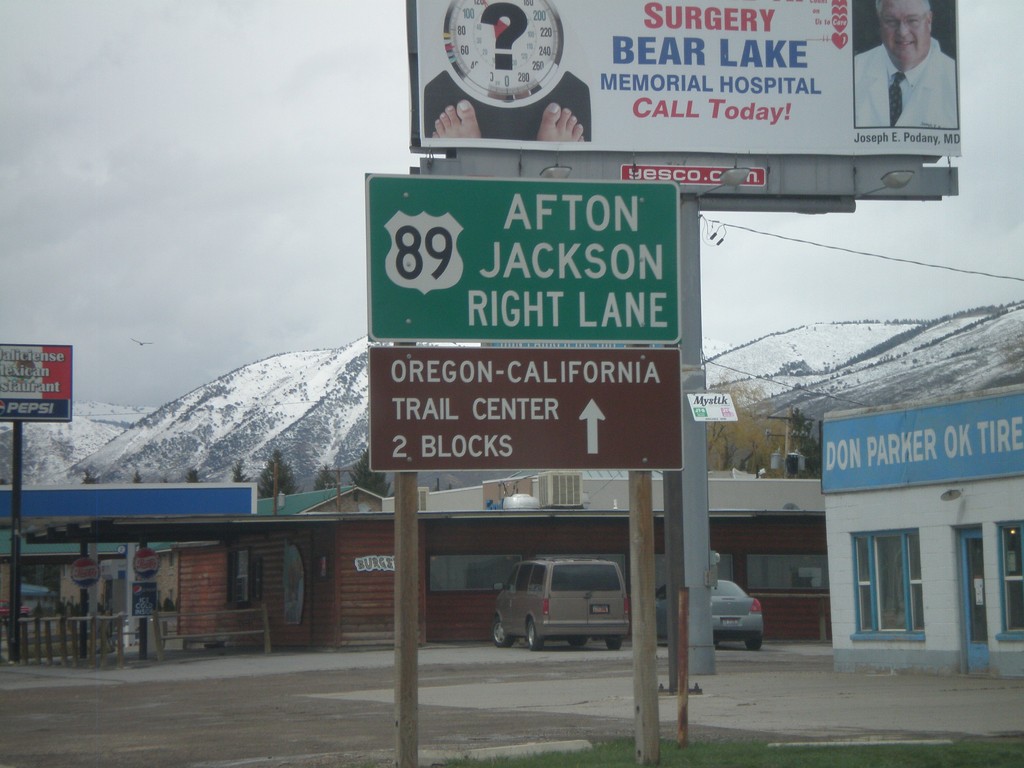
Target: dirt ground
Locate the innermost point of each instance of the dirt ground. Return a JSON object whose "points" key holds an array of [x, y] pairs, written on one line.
{"points": [[278, 719]]}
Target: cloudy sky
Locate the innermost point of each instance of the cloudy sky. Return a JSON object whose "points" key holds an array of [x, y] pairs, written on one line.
{"points": [[191, 173]]}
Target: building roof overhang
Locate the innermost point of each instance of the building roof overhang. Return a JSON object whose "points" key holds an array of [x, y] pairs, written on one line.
{"points": [[229, 528]]}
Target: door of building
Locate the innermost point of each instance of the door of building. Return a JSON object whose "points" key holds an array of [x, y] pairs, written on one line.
{"points": [[972, 567]]}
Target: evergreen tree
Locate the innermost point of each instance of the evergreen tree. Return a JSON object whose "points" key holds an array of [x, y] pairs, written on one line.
{"points": [[238, 473], [89, 478], [192, 476], [137, 477], [363, 477], [285, 479], [325, 478], [803, 433]]}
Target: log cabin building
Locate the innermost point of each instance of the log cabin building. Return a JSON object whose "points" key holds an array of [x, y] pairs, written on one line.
{"points": [[322, 563]]}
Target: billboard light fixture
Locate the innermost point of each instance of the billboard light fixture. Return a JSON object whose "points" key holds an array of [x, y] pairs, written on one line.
{"points": [[734, 177], [556, 171], [897, 179], [731, 177], [892, 180]]}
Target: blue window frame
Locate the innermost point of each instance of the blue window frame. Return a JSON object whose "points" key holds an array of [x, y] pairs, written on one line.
{"points": [[889, 591]]}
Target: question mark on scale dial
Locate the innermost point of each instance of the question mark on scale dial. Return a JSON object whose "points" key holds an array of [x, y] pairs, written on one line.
{"points": [[509, 22]]}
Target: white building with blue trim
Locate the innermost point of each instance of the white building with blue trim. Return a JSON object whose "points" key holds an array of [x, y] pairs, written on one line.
{"points": [[924, 505]]}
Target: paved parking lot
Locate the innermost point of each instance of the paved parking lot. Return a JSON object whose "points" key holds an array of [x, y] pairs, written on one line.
{"points": [[212, 709]]}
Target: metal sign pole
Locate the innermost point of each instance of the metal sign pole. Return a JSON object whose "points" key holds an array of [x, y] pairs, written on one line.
{"points": [[696, 523]]}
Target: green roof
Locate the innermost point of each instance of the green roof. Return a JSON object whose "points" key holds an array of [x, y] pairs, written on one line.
{"points": [[28, 549], [296, 503]]}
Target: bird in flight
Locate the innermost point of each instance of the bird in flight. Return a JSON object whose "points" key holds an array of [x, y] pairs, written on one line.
{"points": [[141, 343]]}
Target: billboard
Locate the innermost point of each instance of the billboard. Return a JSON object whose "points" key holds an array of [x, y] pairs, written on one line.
{"points": [[807, 77], [35, 382]]}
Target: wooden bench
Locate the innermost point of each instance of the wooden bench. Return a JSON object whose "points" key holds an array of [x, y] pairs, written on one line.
{"points": [[161, 633]]}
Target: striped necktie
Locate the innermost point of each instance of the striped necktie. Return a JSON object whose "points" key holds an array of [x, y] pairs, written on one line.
{"points": [[896, 98]]}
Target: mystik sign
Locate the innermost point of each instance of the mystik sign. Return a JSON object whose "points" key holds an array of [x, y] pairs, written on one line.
{"points": [[512, 260]]}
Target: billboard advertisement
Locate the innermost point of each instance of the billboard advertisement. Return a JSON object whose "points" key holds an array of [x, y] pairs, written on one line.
{"points": [[35, 382], [822, 77]]}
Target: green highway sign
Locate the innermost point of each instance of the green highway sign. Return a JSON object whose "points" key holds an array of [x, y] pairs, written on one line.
{"points": [[512, 260]]}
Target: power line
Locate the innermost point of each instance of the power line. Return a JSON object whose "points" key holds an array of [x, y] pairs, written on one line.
{"points": [[787, 387], [914, 262]]}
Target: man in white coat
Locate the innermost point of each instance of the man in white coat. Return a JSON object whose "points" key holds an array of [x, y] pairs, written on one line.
{"points": [[906, 81]]}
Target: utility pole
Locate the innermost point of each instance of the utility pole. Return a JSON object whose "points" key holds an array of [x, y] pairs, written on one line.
{"points": [[14, 600]]}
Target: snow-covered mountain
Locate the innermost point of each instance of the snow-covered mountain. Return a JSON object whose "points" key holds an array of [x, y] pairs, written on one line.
{"points": [[313, 405], [50, 449], [832, 367]]}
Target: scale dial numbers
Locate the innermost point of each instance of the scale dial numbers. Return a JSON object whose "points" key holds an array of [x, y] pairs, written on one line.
{"points": [[506, 51]]}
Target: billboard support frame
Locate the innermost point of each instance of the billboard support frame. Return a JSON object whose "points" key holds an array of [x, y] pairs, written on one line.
{"points": [[793, 183]]}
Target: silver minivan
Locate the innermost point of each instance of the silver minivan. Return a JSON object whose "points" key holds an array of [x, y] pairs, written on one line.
{"points": [[564, 599]]}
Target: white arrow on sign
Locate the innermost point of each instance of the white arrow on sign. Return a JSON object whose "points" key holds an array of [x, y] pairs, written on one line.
{"points": [[592, 414]]}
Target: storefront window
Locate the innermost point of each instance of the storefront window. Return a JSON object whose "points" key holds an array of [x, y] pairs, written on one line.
{"points": [[786, 572], [1013, 578], [890, 594], [892, 612], [238, 576], [453, 573], [864, 609], [916, 587]]}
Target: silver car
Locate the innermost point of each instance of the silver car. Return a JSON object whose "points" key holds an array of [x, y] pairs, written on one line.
{"points": [[571, 600], [735, 615]]}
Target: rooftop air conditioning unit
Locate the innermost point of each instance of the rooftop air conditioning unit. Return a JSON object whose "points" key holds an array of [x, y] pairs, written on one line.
{"points": [[561, 489], [519, 501]]}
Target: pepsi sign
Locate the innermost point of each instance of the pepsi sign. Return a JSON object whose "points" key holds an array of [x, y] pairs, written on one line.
{"points": [[146, 563], [85, 572], [35, 382]]}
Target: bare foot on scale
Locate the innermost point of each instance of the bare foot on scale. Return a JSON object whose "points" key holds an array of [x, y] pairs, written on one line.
{"points": [[559, 124], [459, 122]]}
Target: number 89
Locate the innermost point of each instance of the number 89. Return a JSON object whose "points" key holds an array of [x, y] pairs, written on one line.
{"points": [[410, 258]]}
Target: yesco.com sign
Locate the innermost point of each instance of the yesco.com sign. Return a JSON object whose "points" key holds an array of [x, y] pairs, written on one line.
{"points": [[964, 440]]}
